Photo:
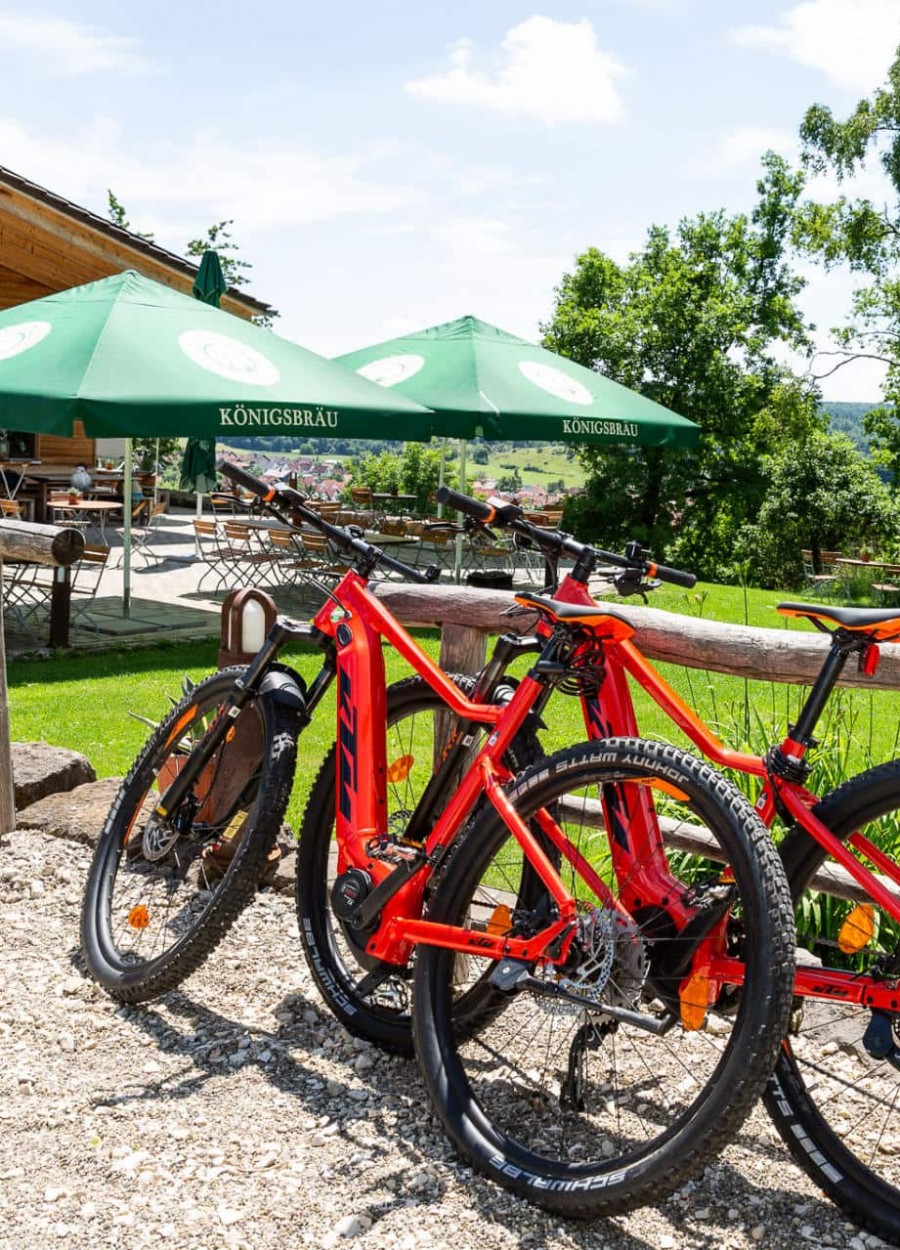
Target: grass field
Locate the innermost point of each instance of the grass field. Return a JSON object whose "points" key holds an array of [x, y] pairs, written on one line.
{"points": [[537, 464], [83, 701]]}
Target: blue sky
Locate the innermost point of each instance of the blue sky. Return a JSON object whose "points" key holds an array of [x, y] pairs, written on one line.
{"points": [[393, 165]]}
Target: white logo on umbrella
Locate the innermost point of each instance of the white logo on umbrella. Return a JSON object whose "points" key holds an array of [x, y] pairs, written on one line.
{"points": [[228, 357], [555, 382], [391, 370], [19, 338]]}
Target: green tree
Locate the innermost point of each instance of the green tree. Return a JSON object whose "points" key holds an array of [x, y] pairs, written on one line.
{"points": [[821, 495], [148, 450], [218, 238], [864, 235], [415, 471], [116, 213], [510, 482], [693, 321]]}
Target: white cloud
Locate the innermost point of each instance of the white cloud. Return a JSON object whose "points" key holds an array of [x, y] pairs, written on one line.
{"points": [[61, 47], [852, 43], [743, 149], [745, 146], [550, 70], [265, 188]]}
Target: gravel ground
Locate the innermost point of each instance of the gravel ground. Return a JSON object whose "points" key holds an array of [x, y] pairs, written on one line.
{"points": [[239, 1115]]}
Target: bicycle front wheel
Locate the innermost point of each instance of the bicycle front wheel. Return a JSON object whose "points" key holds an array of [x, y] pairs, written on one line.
{"points": [[835, 1093], [161, 893], [604, 1084]]}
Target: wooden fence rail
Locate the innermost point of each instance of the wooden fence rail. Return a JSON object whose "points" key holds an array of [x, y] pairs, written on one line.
{"points": [[41, 544], [467, 616]]}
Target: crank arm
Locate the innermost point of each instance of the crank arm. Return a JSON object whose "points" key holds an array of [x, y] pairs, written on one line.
{"points": [[513, 977], [377, 977]]}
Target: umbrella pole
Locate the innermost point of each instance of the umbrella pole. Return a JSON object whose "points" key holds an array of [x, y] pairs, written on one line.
{"points": [[156, 475], [126, 534], [440, 507], [457, 563]]}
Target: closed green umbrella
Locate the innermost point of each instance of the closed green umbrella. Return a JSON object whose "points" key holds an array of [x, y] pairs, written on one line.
{"points": [[128, 356], [198, 465], [480, 380]]}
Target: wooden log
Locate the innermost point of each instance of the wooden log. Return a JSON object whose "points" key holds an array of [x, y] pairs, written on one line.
{"points": [[680, 835], [42, 544], [789, 656]]}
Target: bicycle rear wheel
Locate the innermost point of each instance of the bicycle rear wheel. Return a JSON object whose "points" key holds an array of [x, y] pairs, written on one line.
{"points": [[832, 1097], [372, 1002], [614, 1096], [161, 893]]}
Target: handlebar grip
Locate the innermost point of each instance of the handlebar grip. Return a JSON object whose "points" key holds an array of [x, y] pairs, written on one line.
{"points": [[676, 576], [465, 503], [245, 479]]}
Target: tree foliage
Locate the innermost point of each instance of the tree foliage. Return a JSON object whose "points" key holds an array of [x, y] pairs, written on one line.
{"points": [[693, 321], [218, 238], [416, 471], [865, 236], [821, 495]]}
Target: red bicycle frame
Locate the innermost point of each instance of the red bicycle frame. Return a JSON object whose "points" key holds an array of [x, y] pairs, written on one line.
{"points": [[356, 621], [611, 714]]}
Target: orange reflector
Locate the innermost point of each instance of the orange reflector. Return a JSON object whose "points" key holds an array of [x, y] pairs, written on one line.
{"points": [[401, 768], [139, 917], [857, 930], [500, 921], [694, 998], [665, 786]]}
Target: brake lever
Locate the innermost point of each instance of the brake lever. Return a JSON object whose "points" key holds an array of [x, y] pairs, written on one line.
{"points": [[432, 573]]}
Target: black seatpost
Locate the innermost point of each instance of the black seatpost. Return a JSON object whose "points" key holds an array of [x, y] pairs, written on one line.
{"points": [[842, 646]]}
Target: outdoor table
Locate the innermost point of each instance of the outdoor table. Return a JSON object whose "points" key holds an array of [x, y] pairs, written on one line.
{"points": [[389, 497], [98, 509], [891, 571], [854, 563], [18, 471], [390, 540]]}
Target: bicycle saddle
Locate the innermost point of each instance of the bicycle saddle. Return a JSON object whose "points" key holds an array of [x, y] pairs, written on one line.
{"points": [[880, 622], [574, 613]]}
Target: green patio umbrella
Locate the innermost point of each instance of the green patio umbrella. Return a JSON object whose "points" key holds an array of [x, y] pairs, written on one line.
{"points": [[480, 380], [128, 356]]}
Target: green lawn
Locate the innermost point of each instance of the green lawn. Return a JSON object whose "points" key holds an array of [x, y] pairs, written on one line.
{"points": [[83, 701]]}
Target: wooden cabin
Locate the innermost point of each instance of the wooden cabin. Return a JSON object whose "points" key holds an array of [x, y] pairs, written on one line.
{"points": [[48, 244]]}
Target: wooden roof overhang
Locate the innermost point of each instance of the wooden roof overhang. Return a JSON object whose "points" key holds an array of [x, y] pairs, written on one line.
{"points": [[48, 244]]}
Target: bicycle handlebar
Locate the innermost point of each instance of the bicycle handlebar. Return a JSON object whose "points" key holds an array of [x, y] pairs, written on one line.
{"points": [[240, 475], [555, 542], [292, 501], [475, 508]]}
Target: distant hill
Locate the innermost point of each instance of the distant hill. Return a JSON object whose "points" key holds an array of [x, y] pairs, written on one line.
{"points": [[847, 419]]}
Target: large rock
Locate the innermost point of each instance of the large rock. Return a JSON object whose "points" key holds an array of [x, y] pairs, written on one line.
{"points": [[40, 769], [77, 814]]}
